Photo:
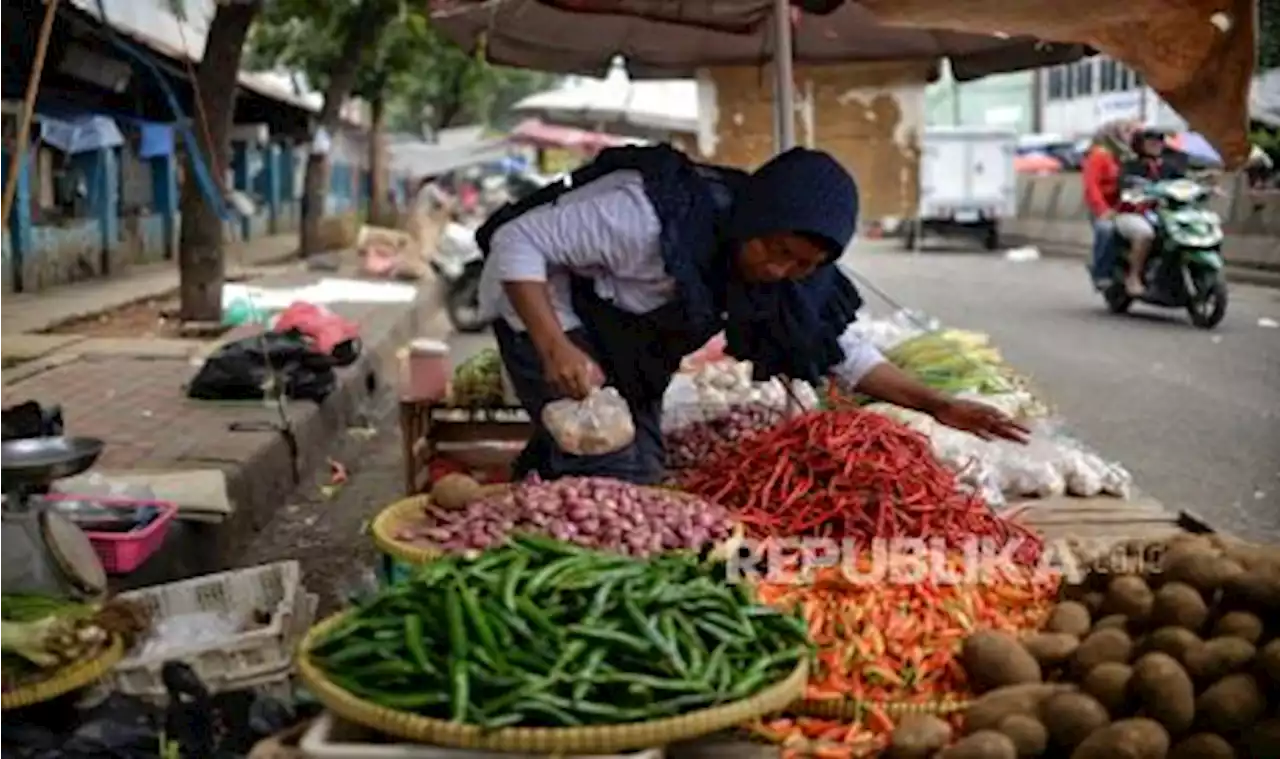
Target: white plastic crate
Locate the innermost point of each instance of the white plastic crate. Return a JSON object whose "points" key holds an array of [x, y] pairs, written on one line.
{"points": [[331, 737], [262, 651]]}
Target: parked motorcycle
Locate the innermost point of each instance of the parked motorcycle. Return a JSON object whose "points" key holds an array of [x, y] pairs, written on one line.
{"points": [[458, 263], [1184, 267], [522, 184]]}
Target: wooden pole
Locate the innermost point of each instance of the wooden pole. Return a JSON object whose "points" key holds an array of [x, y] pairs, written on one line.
{"points": [[28, 107]]}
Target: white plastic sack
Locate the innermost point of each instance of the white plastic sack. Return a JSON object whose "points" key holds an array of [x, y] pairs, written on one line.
{"points": [[599, 424], [902, 325], [1050, 464]]}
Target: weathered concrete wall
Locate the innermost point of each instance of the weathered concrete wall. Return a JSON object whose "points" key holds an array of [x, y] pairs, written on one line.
{"points": [[63, 253], [869, 116], [1051, 211]]}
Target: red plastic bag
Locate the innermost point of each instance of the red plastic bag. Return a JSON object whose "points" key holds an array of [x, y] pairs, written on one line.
{"points": [[329, 333], [710, 353]]}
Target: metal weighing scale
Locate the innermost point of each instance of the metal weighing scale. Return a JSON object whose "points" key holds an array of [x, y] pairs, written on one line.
{"points": [[43, 552]]}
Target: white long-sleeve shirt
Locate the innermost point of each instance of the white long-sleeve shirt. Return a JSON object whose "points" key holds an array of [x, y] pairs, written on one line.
{"points": [[606, 230]]}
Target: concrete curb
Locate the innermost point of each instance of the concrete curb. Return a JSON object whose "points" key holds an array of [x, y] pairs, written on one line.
{"points": [[261, 483], [1245, 274]]}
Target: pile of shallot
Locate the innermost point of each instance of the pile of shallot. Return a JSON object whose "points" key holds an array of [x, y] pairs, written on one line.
{"points": [[591, 511], [694, 443]]}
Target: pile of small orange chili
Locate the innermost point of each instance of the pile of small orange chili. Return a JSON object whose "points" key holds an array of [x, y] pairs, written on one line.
{"points": [[845, 473], [896, 642], [821, 738]]}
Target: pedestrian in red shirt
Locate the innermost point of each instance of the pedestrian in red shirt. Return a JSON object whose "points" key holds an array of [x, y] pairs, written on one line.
{"points": [[1101, 180]]}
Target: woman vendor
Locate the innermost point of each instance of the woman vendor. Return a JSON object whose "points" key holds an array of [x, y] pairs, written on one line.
{"points": [[640, 257]]}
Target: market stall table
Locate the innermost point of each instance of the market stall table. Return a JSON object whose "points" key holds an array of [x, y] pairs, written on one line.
{"points": [[1105, 521], [484, 437]]}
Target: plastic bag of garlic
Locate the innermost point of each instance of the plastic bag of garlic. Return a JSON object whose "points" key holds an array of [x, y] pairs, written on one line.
{"points": [[710, 391]]}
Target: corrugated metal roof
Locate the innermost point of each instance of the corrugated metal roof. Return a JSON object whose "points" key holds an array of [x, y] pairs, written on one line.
{"points": [[152, 23], [425, 159], [669, 105]]}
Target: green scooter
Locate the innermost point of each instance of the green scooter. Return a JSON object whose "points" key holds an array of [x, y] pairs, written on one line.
{"points": [[1184, 268]]}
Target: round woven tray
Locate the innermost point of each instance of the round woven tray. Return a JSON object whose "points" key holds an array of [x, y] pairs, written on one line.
{"points": [[72, 677], [570, 740], [852, 708], [388, 523], [391, 519]]}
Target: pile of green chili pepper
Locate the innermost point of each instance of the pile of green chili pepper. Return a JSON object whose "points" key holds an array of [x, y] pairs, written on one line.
{"points": [[543, 633]]}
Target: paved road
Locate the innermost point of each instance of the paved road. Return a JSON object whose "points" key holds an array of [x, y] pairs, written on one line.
{"points": [[1195, 415]]}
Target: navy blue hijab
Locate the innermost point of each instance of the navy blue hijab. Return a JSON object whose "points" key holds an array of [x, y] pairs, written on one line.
{"points": [[788, 328]]}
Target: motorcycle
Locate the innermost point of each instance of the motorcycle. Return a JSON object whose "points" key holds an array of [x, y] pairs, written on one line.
{"points": [[1184, 268], [459, 261]]}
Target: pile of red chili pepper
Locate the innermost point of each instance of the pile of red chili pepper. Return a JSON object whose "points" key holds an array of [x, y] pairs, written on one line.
{"points": [[849, 474]]}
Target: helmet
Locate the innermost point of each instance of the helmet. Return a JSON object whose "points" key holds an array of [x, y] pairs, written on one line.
{"points": [[1140, 137]]}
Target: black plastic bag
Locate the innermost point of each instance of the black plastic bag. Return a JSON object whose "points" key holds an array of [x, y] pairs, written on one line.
{"points": [[239, 371], [30, 419], [226, 724], [121, 727], [201, 725]]}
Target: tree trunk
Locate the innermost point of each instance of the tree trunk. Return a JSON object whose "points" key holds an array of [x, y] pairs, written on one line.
{"points": [[370, 20], [201, 268], [379, 182]]}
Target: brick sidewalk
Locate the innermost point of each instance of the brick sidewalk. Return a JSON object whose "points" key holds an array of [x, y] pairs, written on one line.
{"points": [[136, 402]]}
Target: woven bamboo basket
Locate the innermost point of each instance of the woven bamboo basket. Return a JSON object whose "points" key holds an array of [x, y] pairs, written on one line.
{"points": [[571, 740], [70, 678], [388, 523], [407, 511], [848, 709]]}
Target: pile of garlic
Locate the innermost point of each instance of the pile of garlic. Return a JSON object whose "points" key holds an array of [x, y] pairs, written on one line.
{"points": [[714, 388]]}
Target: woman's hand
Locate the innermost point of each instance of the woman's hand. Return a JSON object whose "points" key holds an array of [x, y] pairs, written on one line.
{"points": [[570, 370], [986, 422]]}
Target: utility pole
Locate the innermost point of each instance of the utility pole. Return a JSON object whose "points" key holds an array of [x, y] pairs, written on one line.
{"points": [[1037, 100], [955, 101]]}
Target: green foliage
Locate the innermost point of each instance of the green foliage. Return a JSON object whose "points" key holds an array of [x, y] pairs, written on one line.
{"points": [[419, 76], [1268, 34], [1266, 138]]}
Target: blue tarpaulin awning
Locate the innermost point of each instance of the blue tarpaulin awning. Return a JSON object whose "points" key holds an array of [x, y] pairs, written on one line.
{"points": [[81, 134], [155, 140]]}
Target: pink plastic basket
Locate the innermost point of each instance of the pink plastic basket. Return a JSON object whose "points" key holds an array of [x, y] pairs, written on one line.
{"points": [[123, 552]]}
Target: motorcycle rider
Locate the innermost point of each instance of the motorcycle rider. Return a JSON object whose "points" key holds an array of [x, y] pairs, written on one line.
{"points": [[1148, 163], [1100, 177]]}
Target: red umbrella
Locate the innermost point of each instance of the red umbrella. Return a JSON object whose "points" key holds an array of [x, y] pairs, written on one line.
{"points": [[1036, 163], [539, 134]]}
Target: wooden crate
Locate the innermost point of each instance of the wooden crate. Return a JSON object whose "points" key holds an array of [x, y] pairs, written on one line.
{"points": [[480, 437], [1103, 522]]}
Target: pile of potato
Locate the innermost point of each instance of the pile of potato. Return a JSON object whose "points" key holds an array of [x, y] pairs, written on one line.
{"points": [[1179, 661]]}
